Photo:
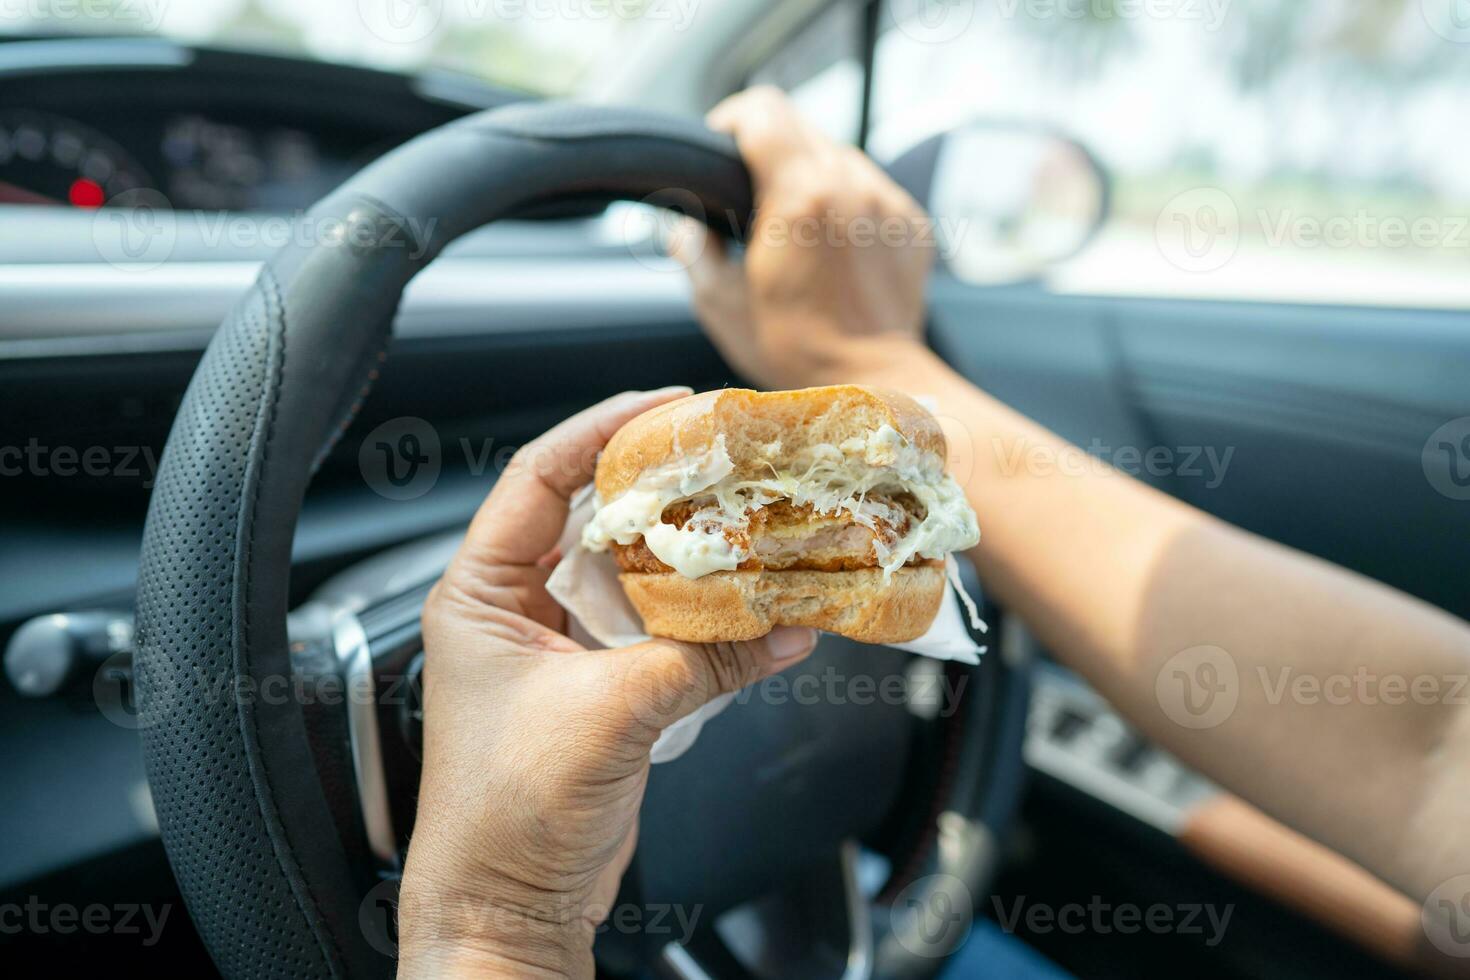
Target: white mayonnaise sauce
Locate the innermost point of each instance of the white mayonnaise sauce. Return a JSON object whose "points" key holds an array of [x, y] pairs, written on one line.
{"points": [[639, 511], [832, 479]]}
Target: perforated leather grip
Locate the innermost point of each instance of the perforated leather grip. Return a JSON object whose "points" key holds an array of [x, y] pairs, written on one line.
{"points": [[272, 887]]}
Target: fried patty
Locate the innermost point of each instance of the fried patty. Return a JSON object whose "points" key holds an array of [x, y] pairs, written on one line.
{"points": [[787, 536]]}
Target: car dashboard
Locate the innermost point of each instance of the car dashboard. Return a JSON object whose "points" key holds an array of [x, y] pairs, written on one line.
{"points": [[95, 123], [96, 351], [515, 327]]}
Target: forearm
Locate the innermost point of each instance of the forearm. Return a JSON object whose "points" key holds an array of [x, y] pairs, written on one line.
{"points": [[1348, 720]]}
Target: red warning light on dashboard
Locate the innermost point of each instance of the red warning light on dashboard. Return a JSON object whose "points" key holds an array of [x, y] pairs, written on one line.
{"points": [[86, 193]]}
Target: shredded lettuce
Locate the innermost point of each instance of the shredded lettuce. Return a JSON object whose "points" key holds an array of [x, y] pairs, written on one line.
{"points": [[831, 479]]}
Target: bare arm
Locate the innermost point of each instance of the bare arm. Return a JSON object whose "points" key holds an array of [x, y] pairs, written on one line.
{"points": [[1287, 679], [1331, 701]]}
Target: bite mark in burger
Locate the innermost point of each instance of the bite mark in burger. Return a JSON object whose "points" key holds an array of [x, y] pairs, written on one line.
{"points": [[731, 512]]}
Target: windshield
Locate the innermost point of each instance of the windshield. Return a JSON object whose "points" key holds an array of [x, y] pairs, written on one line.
{"points": [[542, 46]]}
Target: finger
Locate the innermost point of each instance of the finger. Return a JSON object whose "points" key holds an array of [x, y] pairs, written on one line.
{"points": [[767, 128], [720, 296], [754, 106], [524, 515], [664, 680], [703, 255], [691, 244]]}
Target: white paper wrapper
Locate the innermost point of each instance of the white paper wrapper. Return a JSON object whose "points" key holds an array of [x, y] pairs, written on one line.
{"points": [[586, 585]]}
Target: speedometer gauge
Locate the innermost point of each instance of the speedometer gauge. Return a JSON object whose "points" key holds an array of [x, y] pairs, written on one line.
{"points": [[48, 159]]}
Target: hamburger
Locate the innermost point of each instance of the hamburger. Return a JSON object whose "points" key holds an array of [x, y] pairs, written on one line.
{"points": [[735, 511]]}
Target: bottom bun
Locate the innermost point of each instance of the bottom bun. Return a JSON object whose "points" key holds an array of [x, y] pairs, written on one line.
{"points": [[728, 606]]}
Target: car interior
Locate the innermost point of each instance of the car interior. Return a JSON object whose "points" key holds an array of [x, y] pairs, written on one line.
{"points": [[1167, 233]]}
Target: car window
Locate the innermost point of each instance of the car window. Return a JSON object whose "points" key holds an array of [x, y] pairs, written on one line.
{"points": [[1295, 150], [541, 46], [820, 68]]}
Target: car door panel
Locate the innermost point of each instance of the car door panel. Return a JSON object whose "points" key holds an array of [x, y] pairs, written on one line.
{"points": [[1317, 417]]}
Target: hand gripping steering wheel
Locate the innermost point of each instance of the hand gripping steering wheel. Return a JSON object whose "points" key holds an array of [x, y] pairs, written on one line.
{"points": [[260, 799]]}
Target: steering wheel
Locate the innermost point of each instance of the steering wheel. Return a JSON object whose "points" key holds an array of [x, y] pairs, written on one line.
{"points": [[282, 815]]}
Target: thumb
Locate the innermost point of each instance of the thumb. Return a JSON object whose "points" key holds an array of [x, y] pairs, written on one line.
{"points": [[717, 285], [696, 249], [666, 680]]}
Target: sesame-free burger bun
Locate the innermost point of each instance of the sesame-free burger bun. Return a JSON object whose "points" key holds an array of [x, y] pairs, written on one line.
{"points": [[752, 420], [798, 566], [742, 605]]}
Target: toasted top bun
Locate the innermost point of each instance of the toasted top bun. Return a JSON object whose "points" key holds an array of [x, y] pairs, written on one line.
{"points": [[751, 421]]}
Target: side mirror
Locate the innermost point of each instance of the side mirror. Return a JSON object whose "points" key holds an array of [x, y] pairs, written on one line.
{"points": [[1007, 199]]}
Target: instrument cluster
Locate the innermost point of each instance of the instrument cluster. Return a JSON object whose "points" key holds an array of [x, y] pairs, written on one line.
{"points": [[187, 160]]}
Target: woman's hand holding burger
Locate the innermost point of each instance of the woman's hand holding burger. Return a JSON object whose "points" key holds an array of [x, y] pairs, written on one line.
{"points": [[536, 750]]}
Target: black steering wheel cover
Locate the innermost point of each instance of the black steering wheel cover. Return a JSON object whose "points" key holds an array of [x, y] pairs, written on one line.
{"points": [[241, 808]]}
